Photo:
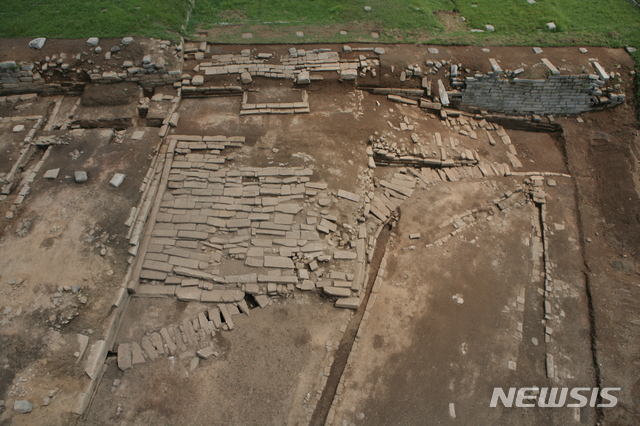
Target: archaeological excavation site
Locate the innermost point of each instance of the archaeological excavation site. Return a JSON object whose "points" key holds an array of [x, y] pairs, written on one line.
{"points": [[328, 234]]}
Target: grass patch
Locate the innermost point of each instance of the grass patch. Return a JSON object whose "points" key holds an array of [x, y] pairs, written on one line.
{"points": [[96, 18], [590, 22], [400, 14]]}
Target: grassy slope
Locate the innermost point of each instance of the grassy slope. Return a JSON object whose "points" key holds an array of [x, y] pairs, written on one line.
{"points": [[588, 22], [82, 18], [402, 14], [591, 22], [613, 23]]}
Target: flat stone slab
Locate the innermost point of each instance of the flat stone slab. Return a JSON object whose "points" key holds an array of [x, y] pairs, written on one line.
{"points": [[155, 265], [136, 354], [52, 174], [149, 290], [188, 272], [551, 67], [307, 285], [124, 356], [288, 208], [337, 291], [344, 255], [219, 296], [189, 294], [348, 303], [278, 279], [278, 262], [226, 316], [348, 196], [149, 349], [166, 337]]}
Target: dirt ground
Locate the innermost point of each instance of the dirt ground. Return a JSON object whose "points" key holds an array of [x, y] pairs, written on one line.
{"points": [[267, 365], [58, 241], [451, 318], [445, 324]]}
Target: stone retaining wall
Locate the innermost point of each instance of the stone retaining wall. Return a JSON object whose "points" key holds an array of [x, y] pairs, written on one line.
{"points": [[558, 94], [17, 78]]}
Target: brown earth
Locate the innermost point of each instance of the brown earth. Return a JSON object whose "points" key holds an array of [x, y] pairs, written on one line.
{"points": [[419, 350]]}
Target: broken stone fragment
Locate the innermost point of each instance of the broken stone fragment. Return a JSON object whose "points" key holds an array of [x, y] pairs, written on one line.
{"points": [[37, 43], [18, 128], [262, 300], [193, 364], [93, 41], [205, 353], [127, 40], [22, 406]]}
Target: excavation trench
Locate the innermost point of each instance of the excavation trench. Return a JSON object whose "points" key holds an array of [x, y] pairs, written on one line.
{"points": [[348, 338]]}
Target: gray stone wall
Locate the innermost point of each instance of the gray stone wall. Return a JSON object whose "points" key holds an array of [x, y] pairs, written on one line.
{"points": [[16, 78], [558, 94]]}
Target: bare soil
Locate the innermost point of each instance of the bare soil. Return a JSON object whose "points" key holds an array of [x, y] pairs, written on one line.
{"points": [[419, 349]]}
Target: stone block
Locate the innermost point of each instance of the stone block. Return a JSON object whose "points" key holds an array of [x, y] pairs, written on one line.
{"points": [[337, 291], [136, 354], [117, 180], [348, 196], [22, 406], [303, 78], [124, 356], [245, 78], [348, 303], [278, 262], [189, 294], [81, 176]]}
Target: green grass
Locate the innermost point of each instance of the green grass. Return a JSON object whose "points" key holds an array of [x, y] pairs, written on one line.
{"points": [[592, 22], [401, 14], [87, 18], [582, 22], [614, 23]]}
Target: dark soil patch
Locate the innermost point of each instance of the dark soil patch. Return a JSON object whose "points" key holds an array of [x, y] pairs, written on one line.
{"points": [[109, 94]]}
